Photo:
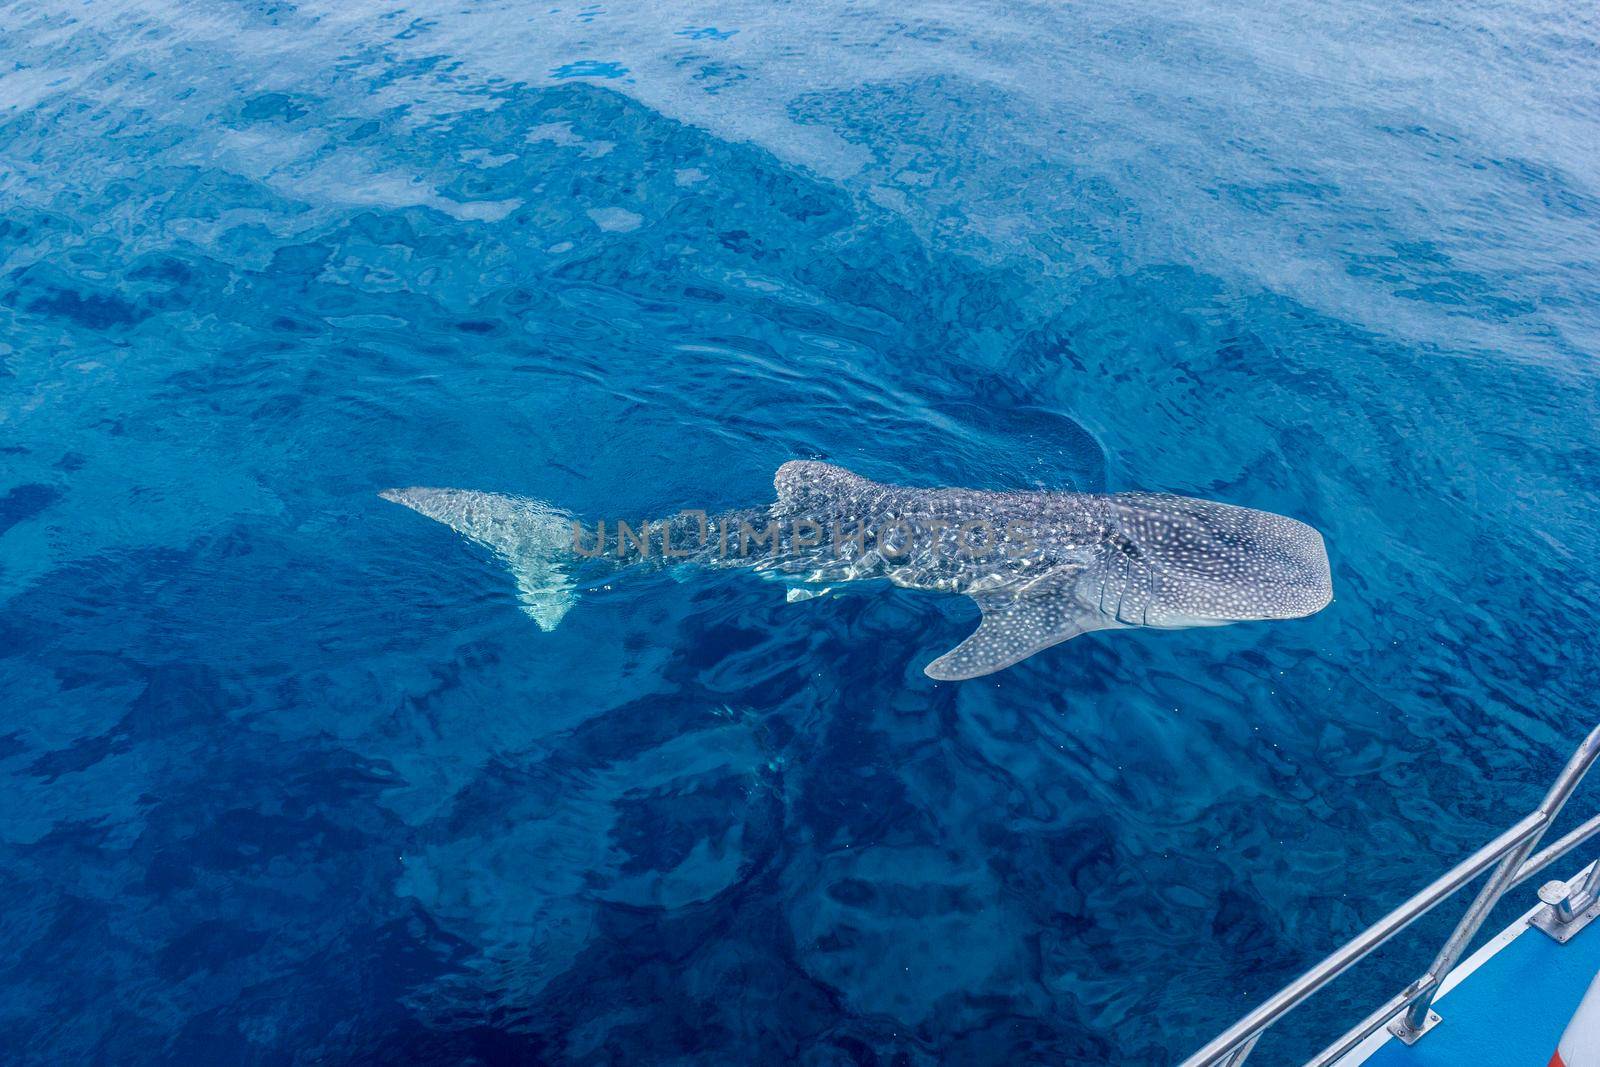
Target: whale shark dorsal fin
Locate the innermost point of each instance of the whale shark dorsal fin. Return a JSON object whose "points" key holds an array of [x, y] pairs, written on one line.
{"points": [[1014, 628], [803, 484]]}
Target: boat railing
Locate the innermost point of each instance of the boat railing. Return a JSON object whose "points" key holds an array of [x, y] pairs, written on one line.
{"points": [[1409, 1013]]}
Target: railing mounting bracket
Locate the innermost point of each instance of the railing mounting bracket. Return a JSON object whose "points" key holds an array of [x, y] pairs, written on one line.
{"points": [[1399, 1028], [1569, 906]]}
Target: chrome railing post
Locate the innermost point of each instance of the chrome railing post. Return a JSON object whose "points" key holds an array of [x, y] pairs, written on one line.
{"points": [[1243, 1049], [1418, 1018]]}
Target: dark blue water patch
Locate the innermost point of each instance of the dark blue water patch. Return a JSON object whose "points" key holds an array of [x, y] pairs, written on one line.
{"points": [[278, 106], [54, 293], [23, 502], [706, 33], [188, 889], [590, 68]]}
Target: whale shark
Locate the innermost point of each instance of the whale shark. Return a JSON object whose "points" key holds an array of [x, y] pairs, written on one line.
{"points": [[1043, 567]]}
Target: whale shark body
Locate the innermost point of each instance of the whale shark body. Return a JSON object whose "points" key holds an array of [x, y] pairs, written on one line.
{"points": [[1043, 567]]}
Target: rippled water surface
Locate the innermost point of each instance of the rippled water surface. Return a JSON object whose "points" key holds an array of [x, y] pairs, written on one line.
{"points": [[288, 778]]}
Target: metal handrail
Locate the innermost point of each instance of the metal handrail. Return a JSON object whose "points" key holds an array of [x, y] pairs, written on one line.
{"points": [[1408, 1012]]}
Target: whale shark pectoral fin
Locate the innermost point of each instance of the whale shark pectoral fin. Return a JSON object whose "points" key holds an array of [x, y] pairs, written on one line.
{"points": [[1014, 628]]}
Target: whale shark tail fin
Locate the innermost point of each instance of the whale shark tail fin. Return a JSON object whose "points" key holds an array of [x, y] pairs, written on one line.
{"points": [[533, 539]]}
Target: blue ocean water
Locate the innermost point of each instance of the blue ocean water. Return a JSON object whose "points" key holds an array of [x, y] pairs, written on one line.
{"points": [[288, 778]]}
